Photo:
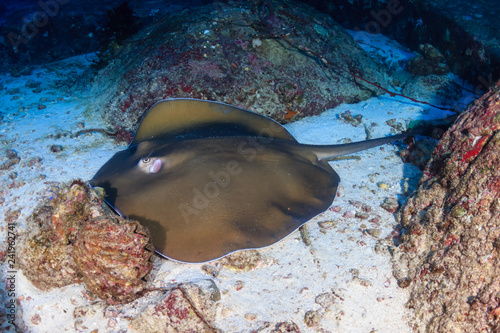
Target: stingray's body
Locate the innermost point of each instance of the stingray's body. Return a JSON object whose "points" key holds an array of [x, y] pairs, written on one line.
{"points": [[209, 179]]}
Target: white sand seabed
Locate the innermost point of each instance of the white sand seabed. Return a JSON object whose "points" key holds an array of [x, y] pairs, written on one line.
{"points": [[341, 261]]}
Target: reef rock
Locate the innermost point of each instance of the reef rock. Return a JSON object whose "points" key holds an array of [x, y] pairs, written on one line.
{"points": [[437, 89], [428, 62], [114, 257], [281, 59], [47, 263], [188, 307], [449, 255], [72, 237]]}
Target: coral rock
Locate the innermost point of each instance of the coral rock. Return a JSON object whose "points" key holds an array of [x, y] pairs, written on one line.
{"points": [[188, 307], [47, 263], [8, 158], [449, 253], [286, 59], [69, 212], [71, 239], [45, 254], [429, 62], [114, 257]]}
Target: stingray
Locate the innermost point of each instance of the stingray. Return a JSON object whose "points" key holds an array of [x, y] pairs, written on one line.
{"points": [[209, 179]]}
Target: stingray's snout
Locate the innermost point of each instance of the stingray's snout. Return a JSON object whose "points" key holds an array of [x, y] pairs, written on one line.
{"points": [[151, 165], [157, 164]]}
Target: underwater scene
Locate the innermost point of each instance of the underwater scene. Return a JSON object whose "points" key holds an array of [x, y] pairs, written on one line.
{"points": [[249, 166]]}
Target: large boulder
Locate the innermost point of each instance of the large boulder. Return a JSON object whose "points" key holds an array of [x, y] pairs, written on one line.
{"points": [[449, 255], [281, 59]]}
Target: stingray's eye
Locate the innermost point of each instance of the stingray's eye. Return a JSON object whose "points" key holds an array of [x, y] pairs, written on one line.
{"points": [[150, 164]]}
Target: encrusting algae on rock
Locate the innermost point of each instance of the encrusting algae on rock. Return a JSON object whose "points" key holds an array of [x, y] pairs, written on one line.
{"points": [[449, 257], [74, 237], [114, 257]]}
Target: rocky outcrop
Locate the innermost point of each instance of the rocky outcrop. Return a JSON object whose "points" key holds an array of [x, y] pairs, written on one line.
{"points": [[449, 255], [284, 60]]}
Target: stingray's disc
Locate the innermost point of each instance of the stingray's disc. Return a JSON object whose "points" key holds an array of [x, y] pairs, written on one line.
{"points": [[216, 196]]}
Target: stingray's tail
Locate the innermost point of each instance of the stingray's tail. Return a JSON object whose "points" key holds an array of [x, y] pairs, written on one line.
{"points": [[327, 152]]}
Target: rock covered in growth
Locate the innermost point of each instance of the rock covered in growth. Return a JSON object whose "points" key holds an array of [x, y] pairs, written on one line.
{"points": [[450, 251], [8, 158], [72, 239], [45, 253], [188, 307], [438, 89], [114, 257], [70, 211], [430, 61], [47, 262], [276, 58]]}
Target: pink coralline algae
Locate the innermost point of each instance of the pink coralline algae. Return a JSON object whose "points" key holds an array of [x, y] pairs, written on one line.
{"points": [[73, 237], [288, 60], [449, 255]]}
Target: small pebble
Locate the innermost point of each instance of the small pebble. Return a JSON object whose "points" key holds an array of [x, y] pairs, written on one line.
{"points": [[239, 285], [374, 232], [327, 224], [32, 161], [36, 319], [112, 322], [33, 84], [404, 282], [325, 300], [362, 282], [312, 318], [355, 203], [110, 312], [348, 214], [362, 215], [211, 270], [365, 208], [380, 248], [336, 209], [383, 186], [8, 158], [250, 316], [41, 107], [56, 148]]}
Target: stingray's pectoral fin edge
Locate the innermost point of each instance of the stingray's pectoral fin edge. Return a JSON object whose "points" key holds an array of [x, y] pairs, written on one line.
{"points": [[164, 256]]}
